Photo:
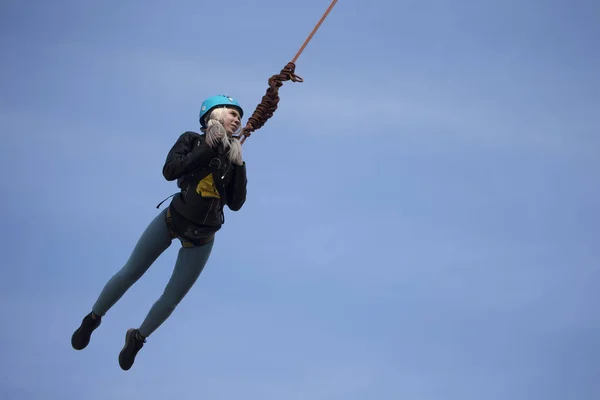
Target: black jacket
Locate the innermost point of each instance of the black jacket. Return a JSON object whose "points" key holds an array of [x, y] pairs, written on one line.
{"points": [[208, 182]]}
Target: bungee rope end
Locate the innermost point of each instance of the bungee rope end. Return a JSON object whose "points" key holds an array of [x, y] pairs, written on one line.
{"points": [[270, 100]]}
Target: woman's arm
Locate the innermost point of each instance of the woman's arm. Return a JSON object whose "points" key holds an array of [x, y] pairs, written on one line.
{"points": [[236, 190], [187, 154]]}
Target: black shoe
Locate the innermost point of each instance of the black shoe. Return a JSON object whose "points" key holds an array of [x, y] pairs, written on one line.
{"points": [[133, 343], [81, 337]]}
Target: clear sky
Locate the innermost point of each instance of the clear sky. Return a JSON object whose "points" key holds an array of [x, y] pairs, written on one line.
{"points": [[422, 219]]}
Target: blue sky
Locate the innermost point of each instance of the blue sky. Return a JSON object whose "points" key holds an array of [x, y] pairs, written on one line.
{"points": [[422, 217]]}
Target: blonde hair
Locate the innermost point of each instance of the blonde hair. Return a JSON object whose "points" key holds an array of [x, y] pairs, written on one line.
{"points": [[215, 133]]}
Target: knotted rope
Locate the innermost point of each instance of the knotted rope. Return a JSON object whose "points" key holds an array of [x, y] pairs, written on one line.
{"points": [[270, 100]]}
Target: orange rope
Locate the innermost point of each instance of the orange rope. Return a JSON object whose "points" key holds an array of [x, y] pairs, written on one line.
{"points": [[270, 100], [314, 31]]}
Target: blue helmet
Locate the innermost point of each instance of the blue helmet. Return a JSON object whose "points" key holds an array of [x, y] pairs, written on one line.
{"points": [[213, 102]]}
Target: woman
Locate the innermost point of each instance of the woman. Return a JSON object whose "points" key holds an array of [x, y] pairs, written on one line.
{"points": [[210, 173]]}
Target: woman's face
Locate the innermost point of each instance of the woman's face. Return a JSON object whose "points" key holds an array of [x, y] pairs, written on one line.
{"points": [[231, 121]]}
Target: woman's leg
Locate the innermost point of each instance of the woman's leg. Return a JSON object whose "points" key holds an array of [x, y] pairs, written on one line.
{"points": [[190, 263], [152, 243], [155, 240]]}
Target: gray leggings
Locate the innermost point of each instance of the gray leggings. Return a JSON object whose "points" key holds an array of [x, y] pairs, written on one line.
{"points": [[153, 242]]}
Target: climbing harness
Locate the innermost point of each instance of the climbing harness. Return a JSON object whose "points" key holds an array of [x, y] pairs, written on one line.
{"points": [[270, 100]]}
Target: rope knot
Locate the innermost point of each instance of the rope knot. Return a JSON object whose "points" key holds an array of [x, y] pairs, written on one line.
{"points": [[270, 100]]}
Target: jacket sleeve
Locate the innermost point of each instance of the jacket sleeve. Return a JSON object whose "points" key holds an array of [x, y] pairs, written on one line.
{"points": [[186, 155], [236, 190]]}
